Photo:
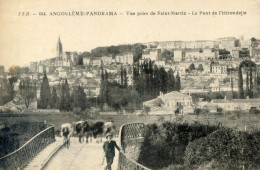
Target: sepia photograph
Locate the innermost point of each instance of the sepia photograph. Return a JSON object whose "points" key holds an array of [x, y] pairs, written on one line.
{"points": [[130, 85]]}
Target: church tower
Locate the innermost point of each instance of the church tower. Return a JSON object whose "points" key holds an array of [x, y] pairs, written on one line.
{"points": [[59, 48], [59, 53]]}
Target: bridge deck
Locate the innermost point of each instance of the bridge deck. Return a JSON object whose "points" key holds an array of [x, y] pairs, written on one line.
{"points": [[44, 155], [80, 156]]}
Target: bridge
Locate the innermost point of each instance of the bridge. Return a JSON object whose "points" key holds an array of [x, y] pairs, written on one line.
{"points": [[44, 151]]}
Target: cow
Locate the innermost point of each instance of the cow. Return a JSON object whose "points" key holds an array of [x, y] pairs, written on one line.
{"points": [[102, 128], [66, 132], [81, 129], [97, 130]]}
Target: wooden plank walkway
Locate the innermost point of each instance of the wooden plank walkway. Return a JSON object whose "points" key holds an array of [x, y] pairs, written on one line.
{"points": [[87, 156], [38, 161]]}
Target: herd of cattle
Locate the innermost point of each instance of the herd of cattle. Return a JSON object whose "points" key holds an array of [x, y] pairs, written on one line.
{"points": [[88, 130]]}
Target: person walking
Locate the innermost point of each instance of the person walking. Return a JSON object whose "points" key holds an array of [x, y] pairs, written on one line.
{"points": [[66, 133], [109, 150]]}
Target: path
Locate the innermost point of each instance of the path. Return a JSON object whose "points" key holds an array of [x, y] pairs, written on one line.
{"points": [[41, 158], [81, 156]]}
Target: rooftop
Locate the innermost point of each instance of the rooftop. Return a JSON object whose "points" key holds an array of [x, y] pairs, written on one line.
{"points": [[173, 94]]}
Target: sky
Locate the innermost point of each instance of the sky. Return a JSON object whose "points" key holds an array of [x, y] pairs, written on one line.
{"points": [[32, 38]]}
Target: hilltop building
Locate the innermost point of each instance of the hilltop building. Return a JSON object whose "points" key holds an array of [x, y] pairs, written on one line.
{"points": [[67, 58], [125, 58]]}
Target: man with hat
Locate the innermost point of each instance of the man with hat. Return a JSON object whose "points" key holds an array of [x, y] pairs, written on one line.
{"points": [[109, 149]]}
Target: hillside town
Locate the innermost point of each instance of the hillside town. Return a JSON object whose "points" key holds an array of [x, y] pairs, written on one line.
{"points": [[210, 74]]}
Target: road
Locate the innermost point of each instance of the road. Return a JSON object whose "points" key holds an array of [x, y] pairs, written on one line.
{"points": [[80, 156]]}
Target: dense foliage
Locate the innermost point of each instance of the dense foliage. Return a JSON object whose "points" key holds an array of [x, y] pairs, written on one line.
{"points": [[45, 94], [192, 146], [27, 90], [136, 49], [148, 82], [167, 54], [6, 91], [165, 144], [65, 101], [223, 52], [79, 98], [247, 67], [208, 96], [118, 96], [54, 99], [14, 71], [227, 149]]}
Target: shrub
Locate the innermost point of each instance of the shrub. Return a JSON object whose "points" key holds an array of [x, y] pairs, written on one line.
{"points": [[165, 143], [226, 148]]}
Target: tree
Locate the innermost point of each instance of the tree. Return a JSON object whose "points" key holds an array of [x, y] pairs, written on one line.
{"points": [[54, 99], [79, 98], [113, 50], [135, 99], [24, 70], [192, 67], [26, 91], [171, 81], [240, 83], [178, 82], [253, 42], [248, 67], [146, 110], [200, 67], [65, 97], [247, 83], [14, 71], [168, 55], [156, 82], [232, 87], [125, 78], [122, 75], [163, 80], [137, 51], [6, 91], [102, 88], [117, 97], [223, 52], [45, 93], [251, 85]]}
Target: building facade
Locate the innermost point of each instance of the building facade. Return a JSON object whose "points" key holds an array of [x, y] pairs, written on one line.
{"points": [[173, 101]]}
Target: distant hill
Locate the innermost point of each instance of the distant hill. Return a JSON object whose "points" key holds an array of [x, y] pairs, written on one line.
{"points": [[98, 52]]}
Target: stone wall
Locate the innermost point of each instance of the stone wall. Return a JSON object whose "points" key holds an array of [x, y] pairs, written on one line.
{"points": [[132, 147]]}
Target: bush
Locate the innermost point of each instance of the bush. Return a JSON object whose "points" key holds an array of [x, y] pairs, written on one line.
{"points": [[226, 148], [165, 143]]}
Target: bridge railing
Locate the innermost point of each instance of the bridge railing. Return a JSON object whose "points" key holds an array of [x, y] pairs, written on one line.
{"points": [[20, 157], [129, 131]]}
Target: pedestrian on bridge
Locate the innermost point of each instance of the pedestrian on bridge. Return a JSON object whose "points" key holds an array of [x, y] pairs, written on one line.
{"points": [[109, 149], [66, 133]]}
